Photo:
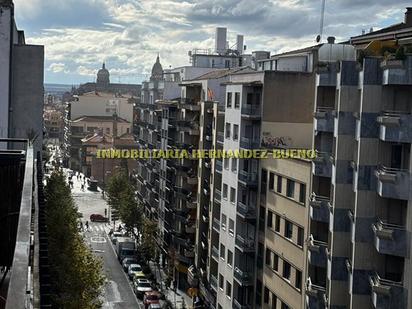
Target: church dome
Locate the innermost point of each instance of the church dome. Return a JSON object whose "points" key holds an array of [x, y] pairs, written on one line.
{"points": [[103, 77], [157, 70]]}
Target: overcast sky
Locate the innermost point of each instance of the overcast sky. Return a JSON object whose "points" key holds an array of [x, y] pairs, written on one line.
{"points": [[80, 34]]}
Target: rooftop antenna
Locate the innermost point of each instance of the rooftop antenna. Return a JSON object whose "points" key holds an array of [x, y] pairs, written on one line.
{"points": [[322, 17]]}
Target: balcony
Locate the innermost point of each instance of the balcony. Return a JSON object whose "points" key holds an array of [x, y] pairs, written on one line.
{"points": [[319, 208], [249, 143], [387, 294], [393, 183], [215, 253], [395, 127], [213, 282], [322, 165], [245, 244], [326, 74], [184, 259], [250, 111], [218, 164], [218, 196], [315, 296], [324, 119], [248, 178], [317, 252], [246, 211], [237, 304], [397, 72], [390, 239], [220, 137], [243, 277]]}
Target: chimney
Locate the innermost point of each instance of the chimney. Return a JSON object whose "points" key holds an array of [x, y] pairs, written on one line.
{"points": [[408, 16], [114, 125], [331, 40]]}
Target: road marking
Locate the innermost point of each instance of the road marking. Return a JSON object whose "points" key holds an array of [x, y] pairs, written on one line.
{"points": [[98, 239]]}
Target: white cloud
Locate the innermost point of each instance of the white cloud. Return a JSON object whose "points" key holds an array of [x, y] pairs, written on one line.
{"points": [[57, 67]]}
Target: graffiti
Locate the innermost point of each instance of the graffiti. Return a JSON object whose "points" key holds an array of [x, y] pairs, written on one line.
{"points": [[275, 141]]}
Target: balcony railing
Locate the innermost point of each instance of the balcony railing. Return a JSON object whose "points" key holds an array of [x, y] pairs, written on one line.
{"points": [[322, 165], [395, 127], [219, 166], [216, 224], [213, 282], [315, 295], [220, 137], [246, 211], [248, 178], [324, 119], [317, 252], [387, 294], [245, 244], [319, 208], [397, 72], [251, 111], [393, 183], [237, 304], [390, 239], [249, 143], [215, 252], [218, 196], [243, 277], [326, 74]]}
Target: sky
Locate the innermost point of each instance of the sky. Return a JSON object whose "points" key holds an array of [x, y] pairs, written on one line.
{"points": [[79, 35]]}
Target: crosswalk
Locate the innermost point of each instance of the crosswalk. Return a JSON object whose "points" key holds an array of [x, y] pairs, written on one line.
{"points": [[99, 228]]}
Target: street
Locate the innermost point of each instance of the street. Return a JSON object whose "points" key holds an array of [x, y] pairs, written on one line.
{"points": [[118, 293]]}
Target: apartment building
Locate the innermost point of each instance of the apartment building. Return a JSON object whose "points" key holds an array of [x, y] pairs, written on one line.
{"points": [[360, 218]]}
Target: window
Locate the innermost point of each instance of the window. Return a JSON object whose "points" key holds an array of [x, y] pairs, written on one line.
{"points": [[249, 98], [229, 258], [288, 229], [266, 295], [237, 99], [235, 132], [229, 100], [223, 222], [221, 281], [300, 236], [302, 193], [231, 227], [226, 163], [227, 63], [267, 257], [274, 301], [279, 185], [228, 289], [222, 251], [275, 265], [286, 270], [234, 165], [232, 195], [271, 181], [270, 219], [290, 188], [298, 279], [227, 130], [284, 306], [225, 188], [277, 223]]}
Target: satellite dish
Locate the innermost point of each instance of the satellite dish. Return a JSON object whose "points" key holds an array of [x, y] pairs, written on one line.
{"points": [[318, 38]]}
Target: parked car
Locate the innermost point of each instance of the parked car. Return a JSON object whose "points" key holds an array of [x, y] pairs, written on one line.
{"points": [[133, 269], [97, 218], [114, 237], [151, 298], [141, 286], [139, 275], [127, 261]]}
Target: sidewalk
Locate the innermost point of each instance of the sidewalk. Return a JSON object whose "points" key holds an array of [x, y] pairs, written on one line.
{"points": [[174, 298]]}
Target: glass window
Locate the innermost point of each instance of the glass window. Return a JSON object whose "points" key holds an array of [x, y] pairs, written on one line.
{"points": [[249, 99], [234, 165], [277, 223], [274, 301], [300, 236], [302, 193], [231, 227], [286, 270], [290, 188], [279, 185], [266, 295], [271, 181], [267, 257], [298, 280], [270, 219], [229, 258], [235, 132], [288, 229], [222, 251], [223, 222], [225, 188], [275, 262], [232, 195], [228, 289], [237, 99], [227, 130], [221, 281], [226, 163], [229, 100]]}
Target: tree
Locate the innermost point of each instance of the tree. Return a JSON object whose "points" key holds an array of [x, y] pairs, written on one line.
{"points": [[117, 183], [148, 243], [76, 273]]}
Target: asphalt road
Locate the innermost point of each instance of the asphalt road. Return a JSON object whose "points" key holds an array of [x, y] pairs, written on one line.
{"points": [[118, 293]]}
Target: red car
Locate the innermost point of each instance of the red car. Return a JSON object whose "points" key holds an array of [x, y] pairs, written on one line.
{"points": [[98, 218], [151, 298]]}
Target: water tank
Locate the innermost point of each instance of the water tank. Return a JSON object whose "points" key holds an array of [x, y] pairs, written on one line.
{"points": [[239, 44], [220, 40]]}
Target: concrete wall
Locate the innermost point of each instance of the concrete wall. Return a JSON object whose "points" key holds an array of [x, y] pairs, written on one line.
{"points": [[27, 95]]}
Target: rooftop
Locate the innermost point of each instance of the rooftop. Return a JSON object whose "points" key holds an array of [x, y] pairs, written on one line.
{"points": [[99, 119]]}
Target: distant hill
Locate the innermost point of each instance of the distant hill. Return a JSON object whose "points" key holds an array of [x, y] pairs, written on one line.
{"points": [[56, 89]]}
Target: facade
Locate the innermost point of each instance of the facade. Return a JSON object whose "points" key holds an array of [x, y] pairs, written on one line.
{"points": [[21, 81], [54, 123]]}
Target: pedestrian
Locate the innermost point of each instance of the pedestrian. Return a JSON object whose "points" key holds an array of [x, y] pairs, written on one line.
{"points": [[87, 225], [82, 187]]}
